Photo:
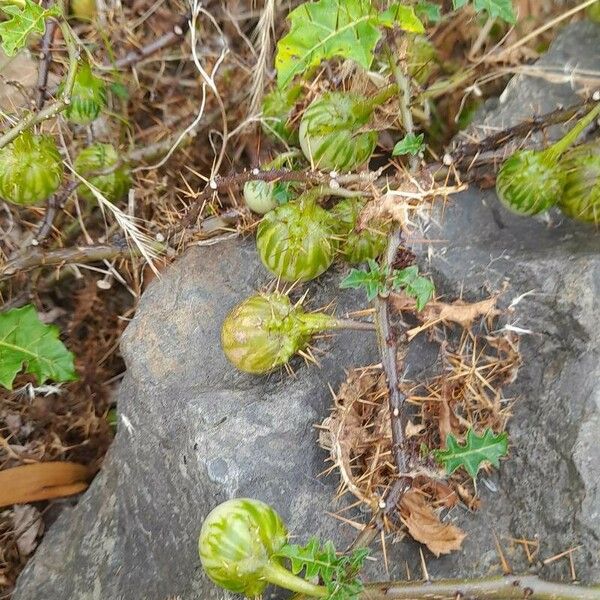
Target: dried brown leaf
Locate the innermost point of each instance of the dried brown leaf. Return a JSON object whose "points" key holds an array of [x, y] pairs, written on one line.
{"points": [[424, 525], [459, 312]]}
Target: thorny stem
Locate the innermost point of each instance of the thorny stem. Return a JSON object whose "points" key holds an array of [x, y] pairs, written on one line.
{"points": [[59, 105], [529, 587]]}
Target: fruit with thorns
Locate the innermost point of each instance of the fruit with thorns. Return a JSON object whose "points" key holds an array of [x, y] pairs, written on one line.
{"points": [[88, 96], [356, 246], [332, 134], [266, 330], [531, 181], [581, 195], [100, 165], [295, 241], [239, 544], [30, 169]]}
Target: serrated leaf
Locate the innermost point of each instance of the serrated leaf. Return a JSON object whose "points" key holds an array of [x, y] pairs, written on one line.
{"points": [[373, 281], [27, 342], [429, 11], [410, 144], [23, 21], [419, 287], [327, 29], [475, 451]]}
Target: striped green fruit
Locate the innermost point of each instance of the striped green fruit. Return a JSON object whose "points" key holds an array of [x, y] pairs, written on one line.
{"points": [[88, 96], [331, 132], [581, 194], [101, 157], [31, 169], [357, 246], [266, 330], [237, 542], [295, 241], [531, 181]]}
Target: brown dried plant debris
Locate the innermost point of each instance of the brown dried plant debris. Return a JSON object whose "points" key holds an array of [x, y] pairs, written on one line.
{"points": [[466, 393]]}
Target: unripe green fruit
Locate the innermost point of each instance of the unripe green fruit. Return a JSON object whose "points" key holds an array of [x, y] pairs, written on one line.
{"points": [[237, 542], [356, 246], [422, 58], [331, 132], [100, 157], [84, 10], [266, 330], [532, 181], [88, 96], [581, 194], [593, 12], [262, 196], [295, 241], [276, 109], [31, 169]]}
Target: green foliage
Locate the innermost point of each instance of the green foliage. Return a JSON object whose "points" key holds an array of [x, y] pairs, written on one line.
{"points": [[339, 574], [410, 144], [429, 11], [373, 281], [419, 287], [379, 280], [476, 450], [503, 9], [24, 20], [26, 342], [327, 29]]}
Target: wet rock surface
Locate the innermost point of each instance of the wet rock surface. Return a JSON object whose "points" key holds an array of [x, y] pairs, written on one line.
{"points": [[194, 432]]}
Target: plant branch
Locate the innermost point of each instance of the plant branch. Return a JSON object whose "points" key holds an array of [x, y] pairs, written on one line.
{"points": [[44, 66], [168, 39], [530, 587], [59, 105]]}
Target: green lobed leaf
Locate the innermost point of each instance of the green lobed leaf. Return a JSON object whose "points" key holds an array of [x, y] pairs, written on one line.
{"points": [[419, 287], [325, 29], [339, 574], [373, 281], [410, 144], [24, 21], [475, 451], [27, 342]]}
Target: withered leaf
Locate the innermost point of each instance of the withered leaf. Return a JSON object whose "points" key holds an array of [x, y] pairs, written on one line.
{"points": [[424, 525]]}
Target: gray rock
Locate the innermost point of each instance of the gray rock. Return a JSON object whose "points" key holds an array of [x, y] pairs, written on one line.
{"points": [[194, 432]]}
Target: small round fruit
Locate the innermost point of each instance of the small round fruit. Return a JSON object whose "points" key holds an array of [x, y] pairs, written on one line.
{"points": [[527, 184], [331, 132], [84, 10], [593, 12], [262, 196], [356, 246], [31, 169], [422, 58], [295, 241], [101, 157], [237, 542], [581, 194], [88, 96], [264, 331]]}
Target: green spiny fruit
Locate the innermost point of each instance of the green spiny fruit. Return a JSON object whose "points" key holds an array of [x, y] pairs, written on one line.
{"points": [[266, 330], [276, 109], [295, 241], [238, 547], [593, 12], [422, 58], [84, 10], [531, 181], [31, 169], [262, 197], [581, 194], [356, 246], [101, 157], [88, 96], [331, 132]]}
